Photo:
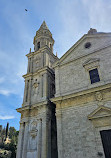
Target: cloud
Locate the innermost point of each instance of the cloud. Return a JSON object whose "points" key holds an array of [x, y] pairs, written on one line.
{"points": [[98, 12], [5, 92], [77, 17], [2, 79], [6, 117]]}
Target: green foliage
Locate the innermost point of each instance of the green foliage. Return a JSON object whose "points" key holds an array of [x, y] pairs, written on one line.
{"points": [[13, 135], [12, 148]]}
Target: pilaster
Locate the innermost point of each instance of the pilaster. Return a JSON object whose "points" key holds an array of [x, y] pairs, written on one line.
{"points": [[57, 79], [25, 140], [45, 83], [24, 100], [20, 141], [46, 136], [59, 133], [29, 91], [39, 139]]}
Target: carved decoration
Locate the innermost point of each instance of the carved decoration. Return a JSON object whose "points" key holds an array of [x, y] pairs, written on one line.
{"points": [[91, 63], [92, 31], [25, 114], [35, 85], [100, 112], [33, 133], [37, 61], [35, 88], [101, 117], [99, 96], [34, 112], [33, 136]]}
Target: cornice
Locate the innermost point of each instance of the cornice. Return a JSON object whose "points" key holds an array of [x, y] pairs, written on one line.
{"points": [[27, 75], [30, 54], [58, 63], [41, 50], [44, 69], [107, 113], [38, 36], [80, 93], [37, 105], [23, 108]]}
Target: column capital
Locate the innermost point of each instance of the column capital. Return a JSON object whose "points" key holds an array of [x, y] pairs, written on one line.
{"points": [[24, 121]]}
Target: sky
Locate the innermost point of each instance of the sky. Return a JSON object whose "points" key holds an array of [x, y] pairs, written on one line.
{"points": [[68, 20]]}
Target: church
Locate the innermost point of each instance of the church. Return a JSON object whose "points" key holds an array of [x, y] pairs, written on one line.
{"points": [[66, 110]]}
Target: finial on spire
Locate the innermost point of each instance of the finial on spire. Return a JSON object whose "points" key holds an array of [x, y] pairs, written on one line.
{"points": [[56, 54], [44, 25], [30, 50]]}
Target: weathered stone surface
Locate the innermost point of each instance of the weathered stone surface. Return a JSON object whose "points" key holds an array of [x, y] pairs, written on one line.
{"points": [[82, 109], [35, 138]]}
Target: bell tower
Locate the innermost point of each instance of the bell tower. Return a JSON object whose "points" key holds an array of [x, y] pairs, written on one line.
{"points": [[39, 80], [43, 38], [37, 122]]}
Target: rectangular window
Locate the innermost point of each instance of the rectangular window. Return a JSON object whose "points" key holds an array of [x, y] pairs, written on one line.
{"points": [[94, 76]]}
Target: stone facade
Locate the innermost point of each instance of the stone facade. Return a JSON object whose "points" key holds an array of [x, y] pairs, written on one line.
{"points": [[36, 138], [63, 86]]}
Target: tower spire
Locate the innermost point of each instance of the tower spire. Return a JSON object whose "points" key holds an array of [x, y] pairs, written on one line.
{"points": [[44, 25], [43, 37]]}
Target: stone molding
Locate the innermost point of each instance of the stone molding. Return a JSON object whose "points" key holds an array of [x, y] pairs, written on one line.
{"points": [[75, 45], [29, 55], [91, 63], [44, 69], [100, 112], [80, 93]]}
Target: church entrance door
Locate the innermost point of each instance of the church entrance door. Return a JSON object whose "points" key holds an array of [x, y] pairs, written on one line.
{"points": [[106, 141]]}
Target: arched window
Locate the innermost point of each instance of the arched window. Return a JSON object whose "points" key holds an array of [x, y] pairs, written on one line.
{"points": [[38, 45], [50, 46]]}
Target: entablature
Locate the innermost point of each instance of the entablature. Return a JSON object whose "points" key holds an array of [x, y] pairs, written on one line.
{"points": [[44, 69], [42, 49], [28, 107], [80, 93]]}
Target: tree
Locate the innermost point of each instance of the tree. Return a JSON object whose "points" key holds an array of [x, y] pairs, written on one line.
{"points": [[12, 132]]}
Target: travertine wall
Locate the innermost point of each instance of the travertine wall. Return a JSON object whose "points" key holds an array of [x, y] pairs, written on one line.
{"points": [[71, 74], [77, 135], [37, 112], [83, 109]]}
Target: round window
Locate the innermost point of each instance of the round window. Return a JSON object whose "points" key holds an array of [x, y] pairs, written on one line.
{"points": [[87, 45]]}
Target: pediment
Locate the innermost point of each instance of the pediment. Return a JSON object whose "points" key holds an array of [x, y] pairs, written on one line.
{"points": [[78, 49], [90, 61], [100, 112]]}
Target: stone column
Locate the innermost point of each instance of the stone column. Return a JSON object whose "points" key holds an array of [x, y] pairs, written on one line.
{"points": [[59, 133], [28, 68], [25, 140], [24, 100], [20, 141], [29, 91], [46, 143], [26, 92], [39, 135], [41, 86], [31, 65], [47, 60], [45, 88], [57, 79]]}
